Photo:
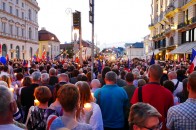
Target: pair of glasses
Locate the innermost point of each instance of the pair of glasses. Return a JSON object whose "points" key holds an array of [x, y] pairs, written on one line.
{"points": [[158, 127]]}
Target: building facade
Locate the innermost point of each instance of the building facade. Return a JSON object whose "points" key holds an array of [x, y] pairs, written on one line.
{"points": [[135, 50], [18, 28], [49, 43], [172, 28]]}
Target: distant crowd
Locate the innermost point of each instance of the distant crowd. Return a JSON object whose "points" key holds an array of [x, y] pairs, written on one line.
{"points": [[123, 95]]}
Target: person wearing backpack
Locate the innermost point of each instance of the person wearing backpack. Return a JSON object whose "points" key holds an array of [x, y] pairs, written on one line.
{"points": [[172, 76]]}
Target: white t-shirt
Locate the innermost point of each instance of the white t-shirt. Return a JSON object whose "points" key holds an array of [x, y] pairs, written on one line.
{"points": [[9, 127]]}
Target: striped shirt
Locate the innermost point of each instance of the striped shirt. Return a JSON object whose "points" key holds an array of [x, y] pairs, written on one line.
{"points": [[182, 116]]}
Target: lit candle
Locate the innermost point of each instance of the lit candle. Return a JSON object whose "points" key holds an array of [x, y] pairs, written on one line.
{"points": [[92, 94], [16, 86], [36, 102], [22, 80], [11, 89], [87, 106]]}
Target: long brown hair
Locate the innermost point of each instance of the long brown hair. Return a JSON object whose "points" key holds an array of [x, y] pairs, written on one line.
{"points": [[85, 95]]}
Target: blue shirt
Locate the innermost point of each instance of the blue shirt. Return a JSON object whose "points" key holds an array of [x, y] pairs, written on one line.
{"points": [[112, 100], [182, 116]]}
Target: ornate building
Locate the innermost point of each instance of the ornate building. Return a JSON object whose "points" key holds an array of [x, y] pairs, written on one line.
{"points": [[18, 28], [172, 28]]}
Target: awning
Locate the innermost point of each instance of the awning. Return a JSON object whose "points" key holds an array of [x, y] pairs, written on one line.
{"points": [[156, 51], [184, 48]]}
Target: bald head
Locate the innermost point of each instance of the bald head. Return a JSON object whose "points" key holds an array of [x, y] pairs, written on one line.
{"points": [[155, 73], [172, 75]]}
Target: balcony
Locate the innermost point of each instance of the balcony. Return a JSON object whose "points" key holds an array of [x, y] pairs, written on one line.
{"points": [[158, 36], [187, 23], [192, 20], [150, 25]]}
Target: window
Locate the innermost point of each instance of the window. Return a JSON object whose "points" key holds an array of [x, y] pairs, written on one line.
{"points": [[17, 52], [31, 52], [4, 50], [187, 16], [44, 48], [17, 1], [11, 10], [4, 27], [22, 47], [30, 33], [187, 36], [29, 14], [17, 12], [17, 31], [11, 46], [22, 4], [22, 32], [22, 15], [4, 6], [11, 29]]}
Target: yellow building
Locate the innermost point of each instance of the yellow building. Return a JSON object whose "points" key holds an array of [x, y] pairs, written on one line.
{"points": [[172, 28], [48, 42]]}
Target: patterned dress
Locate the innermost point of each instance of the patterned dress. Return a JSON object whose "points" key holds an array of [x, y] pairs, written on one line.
{"points": [[37, 118]]}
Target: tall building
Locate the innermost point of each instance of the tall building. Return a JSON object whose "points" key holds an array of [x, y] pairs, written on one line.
{"points": [[172, 28], [18, 28]]}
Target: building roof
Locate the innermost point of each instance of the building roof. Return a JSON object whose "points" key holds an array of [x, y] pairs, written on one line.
{"points": [[135, 45], [45, 35]]}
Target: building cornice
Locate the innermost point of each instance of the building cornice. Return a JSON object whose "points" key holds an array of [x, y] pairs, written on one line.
{"points": [[15, 17], [18, 38], [33, 4], [190, 3]]}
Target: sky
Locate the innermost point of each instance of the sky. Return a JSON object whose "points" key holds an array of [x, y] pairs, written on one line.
{"points": [[116, 21]]}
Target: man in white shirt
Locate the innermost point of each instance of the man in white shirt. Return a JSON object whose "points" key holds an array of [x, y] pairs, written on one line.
{"points": [[7, 108], [178, 85]]}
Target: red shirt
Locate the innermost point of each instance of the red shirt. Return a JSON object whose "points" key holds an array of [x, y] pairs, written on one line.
{"points": [[157, 96]]}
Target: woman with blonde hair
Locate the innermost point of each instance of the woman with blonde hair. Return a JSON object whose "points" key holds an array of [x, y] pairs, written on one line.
{"points": [[88, 112]]}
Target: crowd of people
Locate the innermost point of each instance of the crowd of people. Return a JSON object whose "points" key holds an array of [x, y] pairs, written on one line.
{"points": [[121, 96]]}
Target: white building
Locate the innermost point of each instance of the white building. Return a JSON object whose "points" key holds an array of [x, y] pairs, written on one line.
{"points": [[172, 27], [135, 50], [18, 28], [148, 46]]}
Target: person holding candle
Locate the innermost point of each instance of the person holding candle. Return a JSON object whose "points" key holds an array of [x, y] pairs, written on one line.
{"points": [[69, 98], [88, 112], [38, 115]]}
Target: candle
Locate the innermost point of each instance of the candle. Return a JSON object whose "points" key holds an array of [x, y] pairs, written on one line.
{"points": [[22, 80], [36, 102], [11, 89], [16, 86], [92, 94], [87, 106]]}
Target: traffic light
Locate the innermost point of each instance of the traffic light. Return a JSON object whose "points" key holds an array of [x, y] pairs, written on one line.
{"points": [[76, 20], [91, 12]]}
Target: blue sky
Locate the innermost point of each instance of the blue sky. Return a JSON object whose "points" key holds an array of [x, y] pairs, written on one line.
{"points": [[116, 21]]}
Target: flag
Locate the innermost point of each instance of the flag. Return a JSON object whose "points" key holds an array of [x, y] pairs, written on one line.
{"points": [[24, 63], [193, 61], [44, 55], [193, 55], [99, 66], [128, 64], [7, 58], [152, 61]]}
